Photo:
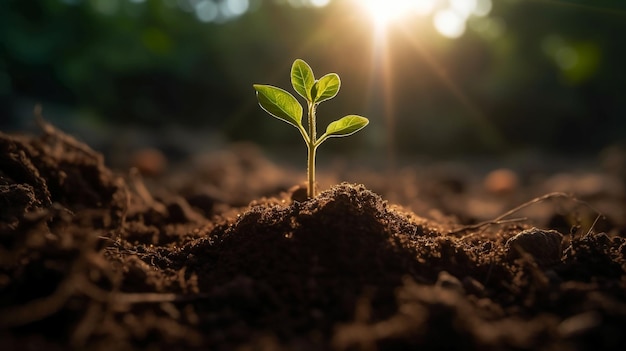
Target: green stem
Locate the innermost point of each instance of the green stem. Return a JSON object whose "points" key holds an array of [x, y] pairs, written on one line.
{"points": [[312, 147], [311, 173]]}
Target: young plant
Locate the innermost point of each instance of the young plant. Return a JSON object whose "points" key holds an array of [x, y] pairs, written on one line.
{"points": [[284, 106]]}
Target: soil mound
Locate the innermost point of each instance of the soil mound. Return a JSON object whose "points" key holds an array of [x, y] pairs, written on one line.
{"points": [[93, 260]]}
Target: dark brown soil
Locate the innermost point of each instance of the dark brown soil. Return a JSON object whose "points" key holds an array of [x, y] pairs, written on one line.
{"points": [[98, 261]]}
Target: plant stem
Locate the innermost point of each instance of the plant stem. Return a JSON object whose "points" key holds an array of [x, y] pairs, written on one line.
{"points": [[311, 148]]}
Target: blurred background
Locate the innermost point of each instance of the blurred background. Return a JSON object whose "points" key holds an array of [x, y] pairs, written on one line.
{"points": [[435, 77]]}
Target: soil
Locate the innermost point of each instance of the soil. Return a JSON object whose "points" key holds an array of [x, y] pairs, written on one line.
{"points": [[229, 255]]}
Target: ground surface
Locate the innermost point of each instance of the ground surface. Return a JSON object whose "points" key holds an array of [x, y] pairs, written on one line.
{"points": [[224, 256]]}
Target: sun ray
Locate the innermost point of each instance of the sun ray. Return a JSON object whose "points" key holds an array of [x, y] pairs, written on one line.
{"points": [[381, 94], [383, 13], [488, 130]]}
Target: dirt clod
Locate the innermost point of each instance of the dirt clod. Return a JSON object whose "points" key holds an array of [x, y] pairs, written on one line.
{"points": [[543, 245]]}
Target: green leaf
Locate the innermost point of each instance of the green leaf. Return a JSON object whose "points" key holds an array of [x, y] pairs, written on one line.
{"points": [[326, 88], [279, 104], [346, 125], [302, 78]]}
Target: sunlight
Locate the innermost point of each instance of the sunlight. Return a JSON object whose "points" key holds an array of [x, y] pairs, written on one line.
{"points": [[449, 17], [383, 12], [319, 3], [449, 23], [464, 7]]}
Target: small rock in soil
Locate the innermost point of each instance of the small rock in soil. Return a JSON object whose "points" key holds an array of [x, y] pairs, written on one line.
{"points": [[543, 245]]}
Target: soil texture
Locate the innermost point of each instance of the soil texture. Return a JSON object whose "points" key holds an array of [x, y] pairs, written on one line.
{"points": [[229, 255]]}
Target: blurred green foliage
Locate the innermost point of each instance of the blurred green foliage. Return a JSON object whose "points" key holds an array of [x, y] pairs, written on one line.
{"points": [[530, 74]]}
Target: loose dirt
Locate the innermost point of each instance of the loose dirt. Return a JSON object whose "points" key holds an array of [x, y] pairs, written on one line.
{"points": [[232, 259]]}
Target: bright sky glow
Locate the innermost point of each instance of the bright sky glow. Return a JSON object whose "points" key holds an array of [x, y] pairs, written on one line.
{"points": [[385, 11], [319, 3], [464, 7], [449, 17], [483, 7], [449, 23], [305, 3]]}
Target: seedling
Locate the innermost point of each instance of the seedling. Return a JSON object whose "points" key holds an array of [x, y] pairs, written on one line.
{"points": [[284, 106]]}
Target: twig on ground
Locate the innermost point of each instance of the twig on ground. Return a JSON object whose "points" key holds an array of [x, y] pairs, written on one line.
{"points": [[501, 219]]}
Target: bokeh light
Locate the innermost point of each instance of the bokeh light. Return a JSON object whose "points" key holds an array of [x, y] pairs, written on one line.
{"points": [[207, 11], [449, 23]]}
